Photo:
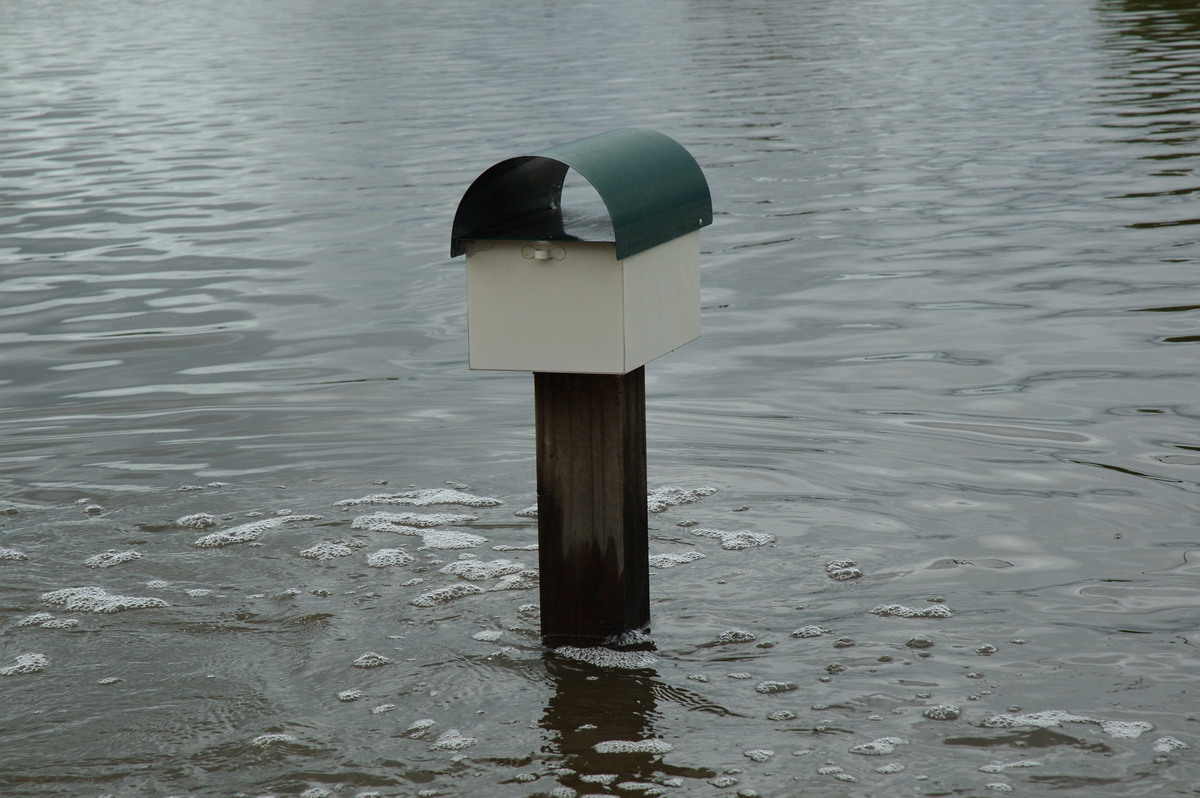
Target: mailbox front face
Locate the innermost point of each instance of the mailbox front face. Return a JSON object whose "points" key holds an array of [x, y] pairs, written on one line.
{"points": [[526, 314], [576, 308]]}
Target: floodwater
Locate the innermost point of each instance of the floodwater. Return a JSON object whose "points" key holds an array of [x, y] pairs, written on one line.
{"points": [[259, 528]]}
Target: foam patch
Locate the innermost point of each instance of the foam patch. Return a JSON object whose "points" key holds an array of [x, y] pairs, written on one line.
{"points": [[424, 497], [245, 533], [110, 558], [96, 599], [26, 663]]}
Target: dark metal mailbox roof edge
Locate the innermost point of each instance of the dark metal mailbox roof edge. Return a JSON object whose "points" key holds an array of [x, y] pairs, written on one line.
{"points": [[653, 190]]}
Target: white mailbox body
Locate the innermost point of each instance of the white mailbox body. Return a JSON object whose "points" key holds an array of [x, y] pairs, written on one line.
{"points": [[553, 289], [574, 307]]}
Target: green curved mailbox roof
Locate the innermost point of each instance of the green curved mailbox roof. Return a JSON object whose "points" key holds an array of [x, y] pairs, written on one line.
{"points": [[652, 188]]}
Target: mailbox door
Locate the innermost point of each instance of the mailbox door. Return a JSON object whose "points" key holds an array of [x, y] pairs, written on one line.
{"points": [[529, 314]]}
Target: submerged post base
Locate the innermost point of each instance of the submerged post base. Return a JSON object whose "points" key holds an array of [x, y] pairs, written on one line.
{"points": [[593, 551]]}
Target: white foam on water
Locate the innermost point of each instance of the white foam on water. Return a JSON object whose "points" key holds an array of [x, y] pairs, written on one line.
{"points": [[487, 636], [891, 767], [186, 488], [423, 498], [110, 558], [646, 787], [1040, 720], [505, 547], [196, 521], [998, 786], [353, 694], [12, 555], [327, 551], [881, 747], [198, 592], [782, 714], [407, 522], [444, 595], [448, 540], [652, 746], [736, 540], [734, 636], [379, 710], [660, 499], [1126, 729], [454, 740], [385, 558], [477, 571], [37, 619], [759, 754], [772, 687], [523, 580], [95, 599], [253, 530], [603, 657], [316, 792], [61, 623], [26, 663], [673, 559], [1165, 745], [811, 631], [604, 779], [943, 712], [527, 512], [273, 739], [417, 728], [843, 570], [632, 637], [371, 660], [1000, 767], [900, 611]]}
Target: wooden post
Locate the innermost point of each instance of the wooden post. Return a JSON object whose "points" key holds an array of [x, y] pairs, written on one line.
{"points": [[593, 550]]}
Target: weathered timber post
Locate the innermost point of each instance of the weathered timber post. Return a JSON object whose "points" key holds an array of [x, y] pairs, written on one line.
{"points": [[584, 303], [593, 548]]}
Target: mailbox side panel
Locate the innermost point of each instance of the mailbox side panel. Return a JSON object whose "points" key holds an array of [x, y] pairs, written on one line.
{"points": [[662, 299], [547, 315]]}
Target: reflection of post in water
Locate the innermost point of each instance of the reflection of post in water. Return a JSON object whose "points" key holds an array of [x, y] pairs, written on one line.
{"points": [[597, 705], [594, 705], [1164, 20], [1154, 96]]}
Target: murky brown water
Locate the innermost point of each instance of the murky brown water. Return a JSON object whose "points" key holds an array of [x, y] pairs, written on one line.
{"points": [[951, 320]]}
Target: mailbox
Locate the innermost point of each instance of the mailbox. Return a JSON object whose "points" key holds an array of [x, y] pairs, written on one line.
{"points": [[553, 288]]}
